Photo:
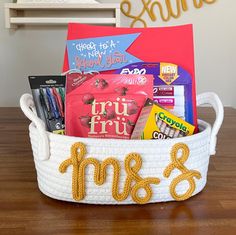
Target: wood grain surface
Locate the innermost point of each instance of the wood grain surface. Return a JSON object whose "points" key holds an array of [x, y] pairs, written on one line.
{"points": [[25, 210]]}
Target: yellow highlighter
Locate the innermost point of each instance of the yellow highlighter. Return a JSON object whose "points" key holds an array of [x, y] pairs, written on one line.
{"points": [[155, 122]]}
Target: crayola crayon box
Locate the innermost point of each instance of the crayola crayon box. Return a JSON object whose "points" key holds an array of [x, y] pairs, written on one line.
{"points": [[156, 122]]}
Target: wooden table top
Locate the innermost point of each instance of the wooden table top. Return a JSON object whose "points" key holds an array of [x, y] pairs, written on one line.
{"points": [[25, 210]]}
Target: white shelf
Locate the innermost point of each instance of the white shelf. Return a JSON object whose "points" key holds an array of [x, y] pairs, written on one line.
{"points": [[60, 14], [58, 21]]}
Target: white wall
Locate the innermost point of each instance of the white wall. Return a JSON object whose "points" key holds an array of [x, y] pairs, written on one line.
{"points": [[39, 50]]}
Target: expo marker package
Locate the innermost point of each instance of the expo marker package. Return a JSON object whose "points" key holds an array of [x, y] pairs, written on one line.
{"points": [[173, 89]]}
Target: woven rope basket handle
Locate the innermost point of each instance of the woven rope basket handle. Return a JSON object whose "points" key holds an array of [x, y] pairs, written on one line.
{"points": [[28, 108], [213, 99]]}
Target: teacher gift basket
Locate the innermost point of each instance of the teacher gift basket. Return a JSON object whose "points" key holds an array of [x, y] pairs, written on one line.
{"points": [[113, 171]]}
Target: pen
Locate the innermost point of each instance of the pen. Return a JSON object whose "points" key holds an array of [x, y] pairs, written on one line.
{"points": [[45, 102], [58, 100], [62, 94], [44, 109], [52, 103]]}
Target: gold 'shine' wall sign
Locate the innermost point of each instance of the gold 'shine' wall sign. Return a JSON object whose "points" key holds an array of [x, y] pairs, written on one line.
{"points": [[152, 8]]}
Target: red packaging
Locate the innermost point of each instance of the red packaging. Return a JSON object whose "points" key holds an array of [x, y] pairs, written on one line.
{"points": [[105, 105]]}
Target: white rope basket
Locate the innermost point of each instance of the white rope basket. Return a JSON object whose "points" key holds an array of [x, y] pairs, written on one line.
{"points": [[50, 150]]}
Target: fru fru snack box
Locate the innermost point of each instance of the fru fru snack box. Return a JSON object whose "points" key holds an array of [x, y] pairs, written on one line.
{"points": [[156, 122], [105, 105]]}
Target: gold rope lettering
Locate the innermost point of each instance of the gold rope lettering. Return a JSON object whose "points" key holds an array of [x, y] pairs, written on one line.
{"points": [[186, 174], [149, 7], [79, 164]]}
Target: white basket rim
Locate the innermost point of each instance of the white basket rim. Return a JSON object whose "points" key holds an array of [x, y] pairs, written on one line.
{"points": [[203, 128]]}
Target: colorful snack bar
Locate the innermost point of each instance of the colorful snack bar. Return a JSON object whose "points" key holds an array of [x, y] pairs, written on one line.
{"points": [[156, 122]]}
